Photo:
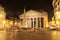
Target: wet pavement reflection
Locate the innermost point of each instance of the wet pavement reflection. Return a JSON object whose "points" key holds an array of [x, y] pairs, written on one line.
{"points": [[30, 35]]}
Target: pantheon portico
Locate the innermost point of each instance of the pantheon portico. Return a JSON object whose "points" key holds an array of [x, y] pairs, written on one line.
{"points": [[34, 19]]}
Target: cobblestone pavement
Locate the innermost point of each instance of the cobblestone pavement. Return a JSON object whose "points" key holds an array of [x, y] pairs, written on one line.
{"points": [[30, 35]]}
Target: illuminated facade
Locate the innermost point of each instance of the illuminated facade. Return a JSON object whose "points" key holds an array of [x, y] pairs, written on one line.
{"points": [[56, 6], [52, 22], [34, 19], [2, 16]]}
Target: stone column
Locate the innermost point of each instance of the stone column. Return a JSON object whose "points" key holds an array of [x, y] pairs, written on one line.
{"points": [[40, 23], [33, 25], [29, 22], [36, 22], [33, 22], [44, 23]]}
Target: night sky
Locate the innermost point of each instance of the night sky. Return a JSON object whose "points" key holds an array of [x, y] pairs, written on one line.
{"points": [[15, 7]]}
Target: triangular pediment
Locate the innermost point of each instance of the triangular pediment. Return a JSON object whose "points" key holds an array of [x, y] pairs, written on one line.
{"points": [[32, 13]]}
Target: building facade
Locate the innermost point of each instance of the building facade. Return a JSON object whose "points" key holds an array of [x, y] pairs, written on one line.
{"points": [[34, 19], [2, 17], [56, 6]]}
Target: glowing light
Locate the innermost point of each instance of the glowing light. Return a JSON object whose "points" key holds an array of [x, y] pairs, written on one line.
{"points": [[15, 23], [8, 23], [4, 22], [19, 24], [53, 22], [57, 18], [1, 15], [58, 14], [46, 25], [57, 22], [11, 22], [26, 26]]}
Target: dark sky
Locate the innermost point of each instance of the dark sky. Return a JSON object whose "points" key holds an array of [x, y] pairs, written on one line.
{"points": [[13, 7]]}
